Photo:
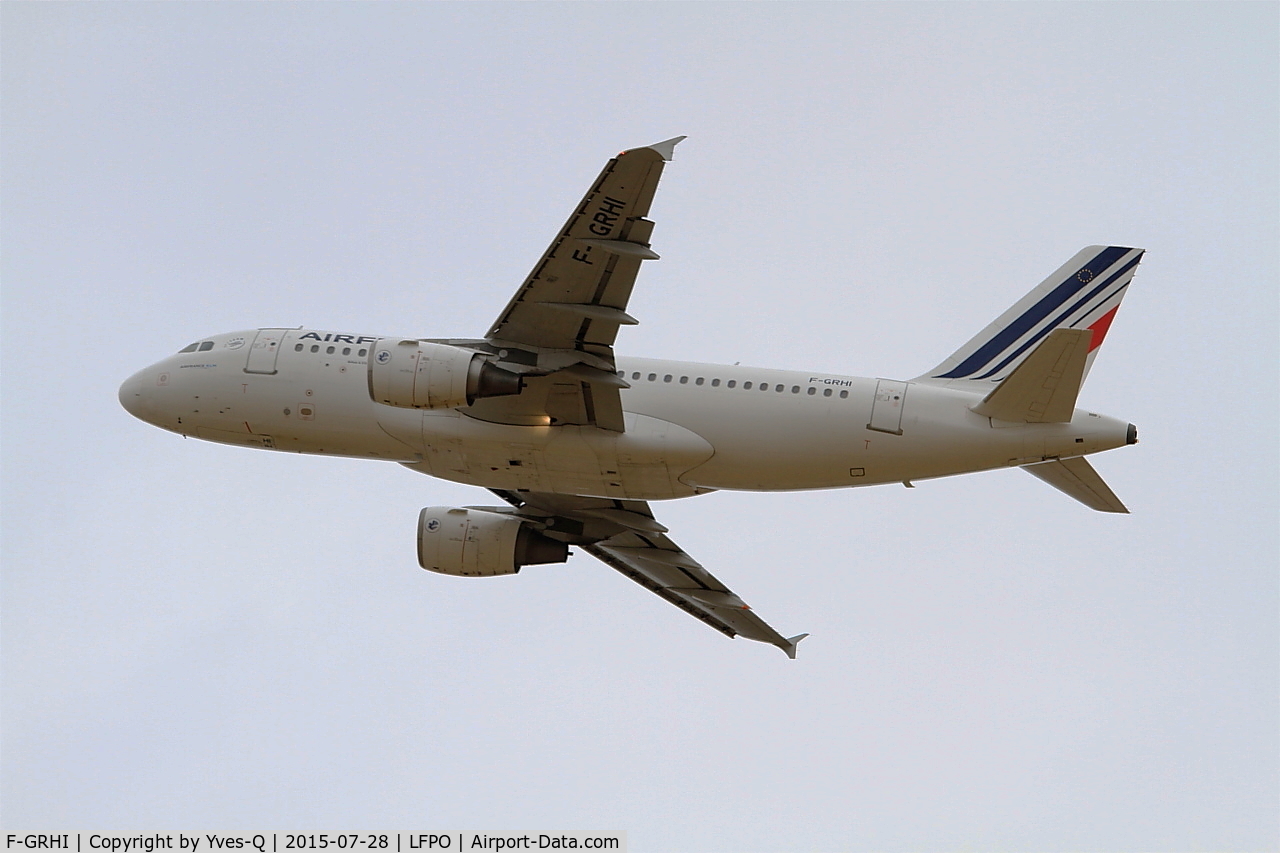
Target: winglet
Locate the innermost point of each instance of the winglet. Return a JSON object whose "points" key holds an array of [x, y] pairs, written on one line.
{"points": [[666, 150], [789, 645]]}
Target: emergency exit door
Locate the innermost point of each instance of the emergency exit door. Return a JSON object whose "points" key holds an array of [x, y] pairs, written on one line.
{"points": [[886, 410]]}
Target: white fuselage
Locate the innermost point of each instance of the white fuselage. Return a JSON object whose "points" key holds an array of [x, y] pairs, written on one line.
{"points": [[690, 428]]}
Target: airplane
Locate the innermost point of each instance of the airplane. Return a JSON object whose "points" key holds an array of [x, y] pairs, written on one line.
{"points": [[577, 441]]}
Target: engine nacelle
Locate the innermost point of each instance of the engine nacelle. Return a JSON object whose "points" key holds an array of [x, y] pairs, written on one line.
{"points": [[475, 543], [420, 375]]}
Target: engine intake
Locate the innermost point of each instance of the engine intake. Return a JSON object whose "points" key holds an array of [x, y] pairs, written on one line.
{"points": [[476, 543], [419, 375]]}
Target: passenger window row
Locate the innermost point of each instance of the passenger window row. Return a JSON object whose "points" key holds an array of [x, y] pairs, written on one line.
{"points": [[331, 350], [733, 383]]}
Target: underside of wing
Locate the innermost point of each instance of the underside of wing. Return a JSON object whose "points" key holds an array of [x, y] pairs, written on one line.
{"points": [[576, 296], [560, 326], [625, 536], [577, 395]]}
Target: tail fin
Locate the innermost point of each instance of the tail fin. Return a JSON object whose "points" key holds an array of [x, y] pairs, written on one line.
{"points": [[1043, 389], [1083, 293]]}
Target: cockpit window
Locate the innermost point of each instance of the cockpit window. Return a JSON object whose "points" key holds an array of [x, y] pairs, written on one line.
{"points": [[206, 346], [189, 348]]}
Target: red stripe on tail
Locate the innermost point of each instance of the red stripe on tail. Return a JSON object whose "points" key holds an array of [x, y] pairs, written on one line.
{"points": [[1100, 328]]}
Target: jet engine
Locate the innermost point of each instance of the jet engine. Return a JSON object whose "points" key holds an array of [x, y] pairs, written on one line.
{"points": [[476, 543], [420, 375]]}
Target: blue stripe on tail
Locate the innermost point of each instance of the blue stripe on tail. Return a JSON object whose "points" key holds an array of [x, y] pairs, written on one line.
{"points": [[1057, 321], [1036, 313]]}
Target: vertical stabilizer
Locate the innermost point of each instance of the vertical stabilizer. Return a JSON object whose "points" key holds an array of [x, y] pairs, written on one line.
{"points": [[1083, 293], [1043, 389]]}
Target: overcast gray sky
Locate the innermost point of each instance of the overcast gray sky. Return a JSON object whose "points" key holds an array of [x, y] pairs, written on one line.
{"points": [[200, 636]]}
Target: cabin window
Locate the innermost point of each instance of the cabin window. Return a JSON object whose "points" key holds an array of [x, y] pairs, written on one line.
{"points": [[346, 350], [667, 378], [764, 386], [826, 392], [329, 351], [715, 383], [779, 389], [698, 381], [812, 390], [746, 386], [731, 383], [684, 380], [795, 389], [315, 348], [363, 352], [844, 395], [297, 348], [652, 377], [635, 375]]}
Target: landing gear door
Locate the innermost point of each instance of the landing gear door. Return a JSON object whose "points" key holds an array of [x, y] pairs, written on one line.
{"points": [[265, 349], [886, 411]]}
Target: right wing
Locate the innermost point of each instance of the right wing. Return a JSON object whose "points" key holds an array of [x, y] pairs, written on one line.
{"points": [[625, 536]]}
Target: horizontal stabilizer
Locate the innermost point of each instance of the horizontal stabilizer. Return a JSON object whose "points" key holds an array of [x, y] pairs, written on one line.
{"points": [[1043, 388], [1076, 477]]}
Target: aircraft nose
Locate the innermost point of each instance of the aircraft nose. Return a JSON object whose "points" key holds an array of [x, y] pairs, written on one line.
{"points": [[133, 397]]}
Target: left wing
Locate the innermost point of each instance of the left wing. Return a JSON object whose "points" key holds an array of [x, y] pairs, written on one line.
{"points": [[625, 535], [560, 326]]}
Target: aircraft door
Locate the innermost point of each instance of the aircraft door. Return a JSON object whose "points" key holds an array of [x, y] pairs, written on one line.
{"points": [[265, 349], [886, 410]]}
